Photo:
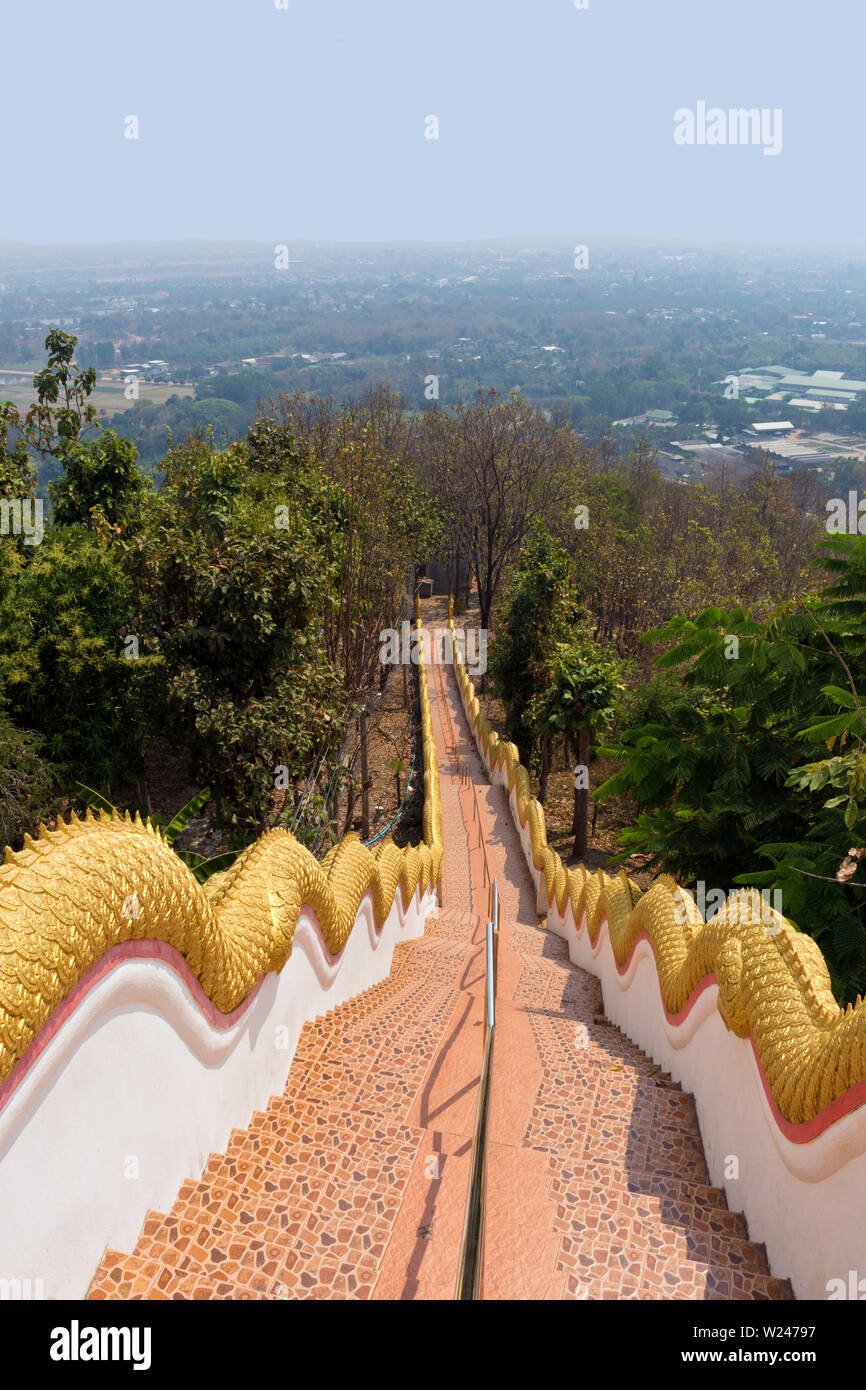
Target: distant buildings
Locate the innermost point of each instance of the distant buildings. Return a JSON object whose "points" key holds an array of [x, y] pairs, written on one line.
{"points": [[821, 388], [658, 418], [154, 370], [771, 429], [314, 358]]}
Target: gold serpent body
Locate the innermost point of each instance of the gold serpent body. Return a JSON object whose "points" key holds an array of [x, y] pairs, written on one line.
{"points": [[69, 897], [773, 980]]}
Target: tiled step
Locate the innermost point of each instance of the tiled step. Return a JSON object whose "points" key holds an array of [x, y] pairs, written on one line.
{"points": [[618, 1272], [286, 1169], [608, 1191], [131, 1277], [302, 1201], [276, 1248], [668, 1241], [637, 1215]]}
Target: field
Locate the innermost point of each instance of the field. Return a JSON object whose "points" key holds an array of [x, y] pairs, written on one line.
{"points": [[108, 395]]}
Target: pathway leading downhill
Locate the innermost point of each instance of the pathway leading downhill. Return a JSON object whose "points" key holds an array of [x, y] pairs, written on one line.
{"points": [[353, 1182]]}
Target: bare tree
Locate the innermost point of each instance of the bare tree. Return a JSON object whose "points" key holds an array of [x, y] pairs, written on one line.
{"points": [[497, 463]]}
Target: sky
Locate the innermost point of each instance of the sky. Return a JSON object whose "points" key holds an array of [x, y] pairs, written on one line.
{"points": [[311, 121]]}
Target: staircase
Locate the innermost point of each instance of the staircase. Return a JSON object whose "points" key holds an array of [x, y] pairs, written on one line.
{"points": [[634, 1208], [608, 1189], [302, 1203]]}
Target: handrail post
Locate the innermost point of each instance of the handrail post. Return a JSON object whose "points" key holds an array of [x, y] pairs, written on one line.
{"points": [[491, 993], [470, 1277]]}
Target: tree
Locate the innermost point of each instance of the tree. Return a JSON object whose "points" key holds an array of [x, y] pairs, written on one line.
{"points": [[498, 464], [28, 782], [232, 582], [728, 779], [17, 477], [100, 478], [581, 698], [385, 520], [64, 669], [539, 611], [62, 410]]}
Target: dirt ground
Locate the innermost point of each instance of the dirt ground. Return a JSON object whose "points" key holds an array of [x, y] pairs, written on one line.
{"points": [[391, 741], [391, 737]]}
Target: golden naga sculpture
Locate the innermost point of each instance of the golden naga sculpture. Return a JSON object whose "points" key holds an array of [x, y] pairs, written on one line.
{"points": [[76, 892], [773, 981]]}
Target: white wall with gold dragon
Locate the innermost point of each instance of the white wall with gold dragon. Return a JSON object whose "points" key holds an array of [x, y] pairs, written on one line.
{"points": [[740, 1011], [131, 1046]]}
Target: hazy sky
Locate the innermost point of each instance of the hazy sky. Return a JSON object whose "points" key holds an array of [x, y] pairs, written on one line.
{"points": [[309, 121]]}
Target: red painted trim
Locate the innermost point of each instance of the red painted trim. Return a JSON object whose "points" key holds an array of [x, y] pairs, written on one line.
{"points": [[802, 1133], [168, 955], [112, 960]]}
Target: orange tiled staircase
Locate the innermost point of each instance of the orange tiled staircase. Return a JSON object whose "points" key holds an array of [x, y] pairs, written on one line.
{"points": [[637, 1215], [304, 1202]]}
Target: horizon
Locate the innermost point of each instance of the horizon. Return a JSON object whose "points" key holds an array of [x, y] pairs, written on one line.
{"points": [[532, 241]]}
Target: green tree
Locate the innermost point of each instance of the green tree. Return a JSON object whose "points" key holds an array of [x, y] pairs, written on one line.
{"points": [[728, 778], [580, 699], [538, 612], [232, 582], [63, 409], [65, 672], [17, 476], [100, 477], [27, 785]]}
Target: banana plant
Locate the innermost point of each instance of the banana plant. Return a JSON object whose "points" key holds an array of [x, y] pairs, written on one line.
{"points": [[202, 868]]}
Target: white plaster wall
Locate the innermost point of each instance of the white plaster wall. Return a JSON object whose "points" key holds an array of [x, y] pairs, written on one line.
{"points": [[138, 1073], [802, 1200], [805, 1201]]}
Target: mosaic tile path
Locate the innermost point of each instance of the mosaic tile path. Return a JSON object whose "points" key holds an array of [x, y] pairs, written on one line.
{"points": [[352, 1184], [302, 1203]]}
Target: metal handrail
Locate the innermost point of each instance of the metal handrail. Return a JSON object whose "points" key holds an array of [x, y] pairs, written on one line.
{"points": [[489, 881], [470, 1277]]}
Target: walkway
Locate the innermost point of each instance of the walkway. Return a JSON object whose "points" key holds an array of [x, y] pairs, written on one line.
{"points": [[353, 1183]]}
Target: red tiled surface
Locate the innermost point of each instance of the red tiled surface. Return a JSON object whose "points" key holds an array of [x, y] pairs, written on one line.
{"points": [[353, 1182]]}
